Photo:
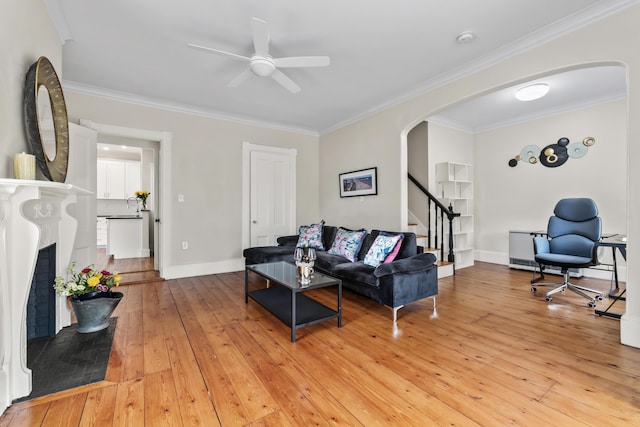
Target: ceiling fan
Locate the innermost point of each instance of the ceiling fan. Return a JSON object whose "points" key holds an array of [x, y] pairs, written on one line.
{"points": [[264, 65]]}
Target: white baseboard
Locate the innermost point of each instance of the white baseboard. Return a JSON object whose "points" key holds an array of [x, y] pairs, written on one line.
{"points": [[630, 330], [594, 273], [190, 270], [491, 257]]}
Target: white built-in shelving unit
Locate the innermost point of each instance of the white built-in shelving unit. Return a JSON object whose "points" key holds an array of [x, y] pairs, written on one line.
{"points": [[455, 186]]}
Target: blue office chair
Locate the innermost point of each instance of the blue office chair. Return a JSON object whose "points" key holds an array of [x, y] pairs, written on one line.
{"points": [[570, 242]]}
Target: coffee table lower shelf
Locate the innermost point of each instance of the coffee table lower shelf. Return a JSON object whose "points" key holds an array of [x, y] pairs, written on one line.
{"points": [[277, 300]]}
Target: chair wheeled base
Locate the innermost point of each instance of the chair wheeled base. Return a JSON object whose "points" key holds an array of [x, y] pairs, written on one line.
{"points": [[566, 284]]}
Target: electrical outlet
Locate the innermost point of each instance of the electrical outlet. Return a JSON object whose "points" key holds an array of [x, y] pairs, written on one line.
{"points": [[180, 198], [185, 245]]}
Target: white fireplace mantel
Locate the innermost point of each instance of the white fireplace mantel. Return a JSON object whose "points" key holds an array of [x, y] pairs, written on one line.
{"points": [[33, 215]]}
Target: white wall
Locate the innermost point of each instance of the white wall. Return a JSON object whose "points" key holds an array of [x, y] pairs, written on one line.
{"points": [[206, 167], [26, 33], [418, 166], [447, 144], [523, 197]]}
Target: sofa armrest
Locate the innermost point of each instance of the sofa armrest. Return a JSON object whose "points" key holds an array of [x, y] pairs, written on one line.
{"points": [[414, 264], [287, 240]]}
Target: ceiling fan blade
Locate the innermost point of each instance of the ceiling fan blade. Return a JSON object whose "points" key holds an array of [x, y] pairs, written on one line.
{"points": [[240, 78], [285, 81], [221, 52], [302, 61], [260, 36]]}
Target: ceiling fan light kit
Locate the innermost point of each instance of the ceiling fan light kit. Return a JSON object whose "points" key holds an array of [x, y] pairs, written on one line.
{"points": [[262, 67], [262, 64]]}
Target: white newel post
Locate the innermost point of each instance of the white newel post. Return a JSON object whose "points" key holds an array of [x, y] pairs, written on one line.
{"points": [[33, 215]]}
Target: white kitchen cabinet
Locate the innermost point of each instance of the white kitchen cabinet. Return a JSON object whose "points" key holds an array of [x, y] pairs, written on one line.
{"points": [[117, 179], [131, 179], [101, 231], [125, 237]]}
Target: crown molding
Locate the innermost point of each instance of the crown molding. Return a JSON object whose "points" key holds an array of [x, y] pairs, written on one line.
{"points": [[448, 123], [550, 32], [130, 98], [550, 112], [59, 22]]}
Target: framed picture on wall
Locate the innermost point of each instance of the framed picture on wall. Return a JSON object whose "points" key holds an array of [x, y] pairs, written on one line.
{"points": [[359, 183]]}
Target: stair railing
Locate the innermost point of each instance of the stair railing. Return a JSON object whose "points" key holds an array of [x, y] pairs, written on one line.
{"points": [[439, 211]]}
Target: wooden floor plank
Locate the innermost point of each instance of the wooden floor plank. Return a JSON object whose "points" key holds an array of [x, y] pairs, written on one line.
{"points": [[191, 351], [66, 411], [130, 404], [161, 407], [99, 407], [156, 356]]}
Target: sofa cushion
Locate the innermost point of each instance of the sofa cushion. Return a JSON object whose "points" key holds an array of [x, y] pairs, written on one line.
{"points": [[357, 272], [347, 243], [310, 236], [328, 234], [381, 248], [326, 261]]}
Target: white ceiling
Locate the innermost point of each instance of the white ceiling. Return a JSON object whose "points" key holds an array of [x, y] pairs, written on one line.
{"points": [[381, 52]]}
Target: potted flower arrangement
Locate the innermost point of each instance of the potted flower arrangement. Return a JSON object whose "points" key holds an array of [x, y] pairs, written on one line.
{"points": [[91, 296], [142, 195]]}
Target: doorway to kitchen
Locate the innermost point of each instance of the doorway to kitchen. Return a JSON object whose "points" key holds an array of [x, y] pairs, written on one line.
{"points": [[154, 178]]}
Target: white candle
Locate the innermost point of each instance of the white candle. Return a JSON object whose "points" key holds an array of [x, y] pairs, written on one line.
{"points": [[24, 166]]}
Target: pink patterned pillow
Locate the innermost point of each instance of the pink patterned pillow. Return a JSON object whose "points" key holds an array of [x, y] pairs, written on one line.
{"points": [[395, 252], [310, 236], [381, 248]]}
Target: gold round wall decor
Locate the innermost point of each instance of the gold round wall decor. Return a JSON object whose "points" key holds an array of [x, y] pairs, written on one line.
{"points": [[43, 119]]}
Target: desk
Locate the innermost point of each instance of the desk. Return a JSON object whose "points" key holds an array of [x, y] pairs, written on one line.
{"points": [[614, 241]]}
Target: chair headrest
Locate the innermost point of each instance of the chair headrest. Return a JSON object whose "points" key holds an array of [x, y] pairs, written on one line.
{"points": [[576, 209]]}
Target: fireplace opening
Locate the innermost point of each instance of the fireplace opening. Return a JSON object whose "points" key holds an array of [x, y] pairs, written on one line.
{"points": [[41, 305]]}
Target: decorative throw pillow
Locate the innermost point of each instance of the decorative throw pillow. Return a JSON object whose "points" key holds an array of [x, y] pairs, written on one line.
{"points": [[395, 251], [381, 248], [310, 236], [347, 243]]}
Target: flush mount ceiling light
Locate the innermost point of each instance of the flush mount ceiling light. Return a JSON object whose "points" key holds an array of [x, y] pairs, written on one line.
{"points": [[532, 92]]}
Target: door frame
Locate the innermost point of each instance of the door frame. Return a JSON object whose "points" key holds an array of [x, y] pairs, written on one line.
{"points": [[164, 170], [247, 149]]}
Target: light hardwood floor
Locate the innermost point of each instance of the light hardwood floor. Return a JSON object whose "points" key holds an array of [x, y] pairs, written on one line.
{"points": [[191, 352]]}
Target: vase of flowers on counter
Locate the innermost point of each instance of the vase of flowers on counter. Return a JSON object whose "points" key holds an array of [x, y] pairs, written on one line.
{"points": [[91, 296], [142, 196]]}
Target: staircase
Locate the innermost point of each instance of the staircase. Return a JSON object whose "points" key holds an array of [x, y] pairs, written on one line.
{"points": [[445, 268], [431, 236]]}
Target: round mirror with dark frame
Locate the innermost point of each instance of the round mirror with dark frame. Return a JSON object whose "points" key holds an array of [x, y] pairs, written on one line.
{"points": [[46, 120]]}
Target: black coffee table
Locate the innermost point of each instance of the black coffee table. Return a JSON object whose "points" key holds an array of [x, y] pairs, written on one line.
{"points": [[286, 301]]}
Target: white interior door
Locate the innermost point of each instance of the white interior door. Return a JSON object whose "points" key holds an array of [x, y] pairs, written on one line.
{"points": [[82, 158], [272, 188]]}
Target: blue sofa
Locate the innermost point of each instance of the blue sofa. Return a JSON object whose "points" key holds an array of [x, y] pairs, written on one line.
{"points": [[410, 277]]}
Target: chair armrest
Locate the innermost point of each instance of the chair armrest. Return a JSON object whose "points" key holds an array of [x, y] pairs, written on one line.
{"points": [[540, 245], [287, 240], [416, 263]]}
